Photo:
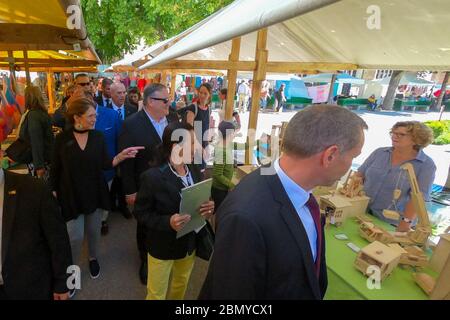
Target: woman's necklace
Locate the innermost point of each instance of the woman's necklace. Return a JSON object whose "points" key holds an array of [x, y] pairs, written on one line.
{"points": [[186, 180]]}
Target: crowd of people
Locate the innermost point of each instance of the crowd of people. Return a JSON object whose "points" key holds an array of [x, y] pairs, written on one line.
{"points": [[117, 152]]}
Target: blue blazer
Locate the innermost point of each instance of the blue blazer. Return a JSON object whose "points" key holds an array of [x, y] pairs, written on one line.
{"points": [[109, 124]]}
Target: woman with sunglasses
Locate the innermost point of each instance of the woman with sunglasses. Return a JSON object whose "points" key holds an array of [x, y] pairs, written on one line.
{"points": [[382, 172]]}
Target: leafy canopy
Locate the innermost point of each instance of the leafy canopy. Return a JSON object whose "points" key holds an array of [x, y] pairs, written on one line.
{"points": [[116, 27]]}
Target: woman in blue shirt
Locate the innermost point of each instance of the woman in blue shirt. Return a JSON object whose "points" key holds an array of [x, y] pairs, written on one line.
{"points": [[382, 172]]}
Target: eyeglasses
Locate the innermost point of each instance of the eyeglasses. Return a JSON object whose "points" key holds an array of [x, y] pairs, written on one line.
{"points": [[165, 100], [398, 134], [83, 84]]}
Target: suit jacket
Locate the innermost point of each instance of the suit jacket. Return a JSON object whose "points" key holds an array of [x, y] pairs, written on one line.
{"points": [[261, 249], [109, 124], [35, 245], [157, 200], [99, 100], [137, 130]]}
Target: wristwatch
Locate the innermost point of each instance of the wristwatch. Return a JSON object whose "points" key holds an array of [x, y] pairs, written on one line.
{"points": [[406, 220]]}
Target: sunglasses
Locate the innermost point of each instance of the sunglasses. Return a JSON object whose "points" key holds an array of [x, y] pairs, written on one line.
{"points": [[83, 84], [165, 100]]}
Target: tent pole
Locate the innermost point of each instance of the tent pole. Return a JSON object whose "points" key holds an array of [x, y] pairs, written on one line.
{"points": [[259, 75], [330, 94], [173, 78], [27, 68], [232, 77], [51, 92]]}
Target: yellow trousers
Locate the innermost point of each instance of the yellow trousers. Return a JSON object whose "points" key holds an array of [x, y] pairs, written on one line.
{"points": [[159, 275]]}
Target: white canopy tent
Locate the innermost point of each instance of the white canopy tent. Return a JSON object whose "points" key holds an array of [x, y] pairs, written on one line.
{"points": [[337, 31]]}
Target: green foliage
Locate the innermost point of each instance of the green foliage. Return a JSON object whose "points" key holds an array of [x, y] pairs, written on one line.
{"points": [[117, 26], [441, 131]]}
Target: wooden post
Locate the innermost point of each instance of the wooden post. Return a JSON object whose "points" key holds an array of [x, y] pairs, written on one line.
{"points": [[232, 77], [51, 92], [443, 91], [164, 77], [330, 94], [27, 69], [11, 63], [173, 83], [259, 75]]}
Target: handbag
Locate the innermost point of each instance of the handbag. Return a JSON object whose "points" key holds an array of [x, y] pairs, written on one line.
{"points": [[20, 150], [204, 242]]}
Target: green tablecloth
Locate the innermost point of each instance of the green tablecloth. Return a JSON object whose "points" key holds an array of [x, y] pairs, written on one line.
{"points": [[346, 282]]}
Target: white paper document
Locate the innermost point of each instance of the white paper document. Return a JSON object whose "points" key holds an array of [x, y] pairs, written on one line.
{"points": [[191, 199]]}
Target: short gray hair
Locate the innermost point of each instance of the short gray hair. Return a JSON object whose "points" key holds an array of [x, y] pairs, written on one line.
{"points": [[318, 127], [151, 89]]}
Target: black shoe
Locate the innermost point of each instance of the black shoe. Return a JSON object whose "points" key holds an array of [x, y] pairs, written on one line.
{"points": [[126, 213], [94, 268], [72, 293], [143, 270], [105, 228]]}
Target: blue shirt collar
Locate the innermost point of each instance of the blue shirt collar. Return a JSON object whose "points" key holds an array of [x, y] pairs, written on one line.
{"points": [[421, 156], [292, 188], [162, 121], [116, 107]]}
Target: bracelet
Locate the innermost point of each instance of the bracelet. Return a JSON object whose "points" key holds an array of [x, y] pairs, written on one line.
{"points": [[406, 220]]}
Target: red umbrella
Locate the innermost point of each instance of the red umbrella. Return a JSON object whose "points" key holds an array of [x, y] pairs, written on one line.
{"points": [[438, 92]]}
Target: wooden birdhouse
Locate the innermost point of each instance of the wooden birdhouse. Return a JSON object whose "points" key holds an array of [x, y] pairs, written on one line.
{"points": [[335, 208], [377, 255]]}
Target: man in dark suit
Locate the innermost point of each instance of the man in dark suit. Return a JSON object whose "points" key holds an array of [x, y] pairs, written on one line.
{"points": [[144, 128], [274, 248], [104, 100], [34, 245]]}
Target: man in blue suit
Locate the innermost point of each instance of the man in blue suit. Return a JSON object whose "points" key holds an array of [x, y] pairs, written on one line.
{"points": [[109, 123]]}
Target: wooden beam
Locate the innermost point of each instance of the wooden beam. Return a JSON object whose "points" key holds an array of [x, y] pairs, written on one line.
{"points": [[232, 77], [80, 62], [259, 75], [51, 92], [206, 64], [27, 69], [41, 35], [164, 77], [299, 67], [173, 78]]}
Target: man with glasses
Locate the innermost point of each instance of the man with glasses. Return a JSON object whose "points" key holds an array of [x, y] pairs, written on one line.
{"points": [[144, 128]]}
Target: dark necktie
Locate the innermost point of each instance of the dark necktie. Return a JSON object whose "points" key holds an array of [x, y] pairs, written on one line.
{"points": [[314, 209], [119, 111]]}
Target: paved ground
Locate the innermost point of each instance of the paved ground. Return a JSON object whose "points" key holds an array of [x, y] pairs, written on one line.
{"points": [[119, 262], [118, 253]]}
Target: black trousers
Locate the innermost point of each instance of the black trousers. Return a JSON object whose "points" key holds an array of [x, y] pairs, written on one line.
{"points": [[3, 293], [141, 237], [218, 196], [116, 193]]}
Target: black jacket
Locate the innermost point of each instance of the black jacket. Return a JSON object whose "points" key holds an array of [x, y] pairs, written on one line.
{"points": [[137, 130], [35, 245], [157, 200], [262, 250], [37, 129]]}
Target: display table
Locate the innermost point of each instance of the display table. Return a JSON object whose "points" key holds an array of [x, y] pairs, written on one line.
{"points": [[399, 105], [350, 102], [346, 282]]}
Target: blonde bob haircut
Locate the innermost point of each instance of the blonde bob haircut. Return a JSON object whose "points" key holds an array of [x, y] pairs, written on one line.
{"points": [[421, 135]]}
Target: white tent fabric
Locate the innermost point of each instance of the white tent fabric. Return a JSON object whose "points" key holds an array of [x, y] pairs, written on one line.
{"points": [[412, 35]]}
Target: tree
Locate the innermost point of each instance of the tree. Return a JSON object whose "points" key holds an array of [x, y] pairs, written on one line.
{"points": [[388, 102], [116, 27]]}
